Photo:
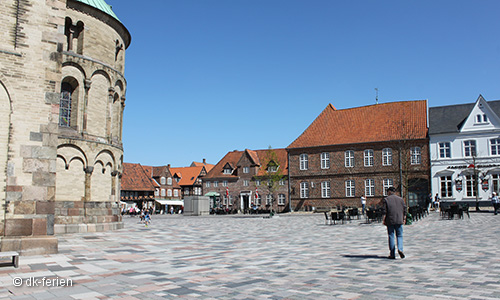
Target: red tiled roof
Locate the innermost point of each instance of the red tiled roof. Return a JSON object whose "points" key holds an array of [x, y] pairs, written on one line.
{"points": [[259, 156], [135, 178], [188, 175], [208, 167], [373, 123]]}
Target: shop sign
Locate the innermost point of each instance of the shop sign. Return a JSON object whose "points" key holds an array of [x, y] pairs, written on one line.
{"points": [[485, 184], [458, 185]]}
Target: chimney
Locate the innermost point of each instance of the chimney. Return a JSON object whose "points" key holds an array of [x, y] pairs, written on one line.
{"points": [[204, 161], [168, 166]]}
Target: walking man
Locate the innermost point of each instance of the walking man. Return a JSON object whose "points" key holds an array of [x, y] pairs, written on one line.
{"points": [[495, 202], [395, 216]]}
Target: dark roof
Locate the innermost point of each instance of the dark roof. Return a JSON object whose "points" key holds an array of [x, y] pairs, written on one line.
{"points": [[374, 123], [449, 119], [135, 178]]}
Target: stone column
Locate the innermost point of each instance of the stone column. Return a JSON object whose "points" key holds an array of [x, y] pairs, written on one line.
{"points": [[87, 84], [109, 111]]}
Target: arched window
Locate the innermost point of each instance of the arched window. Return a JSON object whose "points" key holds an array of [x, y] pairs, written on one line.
{"points": [[68, 105]]}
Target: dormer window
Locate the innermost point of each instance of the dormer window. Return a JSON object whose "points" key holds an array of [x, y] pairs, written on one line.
{"points": [[481, 118], [162, 180], [246, 170], [227, 171], [272, 167]]}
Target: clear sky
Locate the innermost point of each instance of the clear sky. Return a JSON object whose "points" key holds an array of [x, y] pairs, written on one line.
{"points": [[206, 77]]}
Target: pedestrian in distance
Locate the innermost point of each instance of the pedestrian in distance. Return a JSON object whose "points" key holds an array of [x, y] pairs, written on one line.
{"points": [[495, 202], [363, 204], [394, 209]]}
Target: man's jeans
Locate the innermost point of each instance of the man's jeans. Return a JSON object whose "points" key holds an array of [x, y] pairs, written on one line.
{"points": [[399, 235]]}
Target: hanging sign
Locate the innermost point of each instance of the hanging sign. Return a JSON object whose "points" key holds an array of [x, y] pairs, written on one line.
{"points": [[486, 185], [458, 185]]}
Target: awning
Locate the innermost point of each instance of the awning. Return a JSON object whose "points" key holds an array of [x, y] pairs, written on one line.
{"points": [[169, 202], [212, 194]]}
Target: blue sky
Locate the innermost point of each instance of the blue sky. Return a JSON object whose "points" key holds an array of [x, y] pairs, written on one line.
{"points": [[206, 77]]}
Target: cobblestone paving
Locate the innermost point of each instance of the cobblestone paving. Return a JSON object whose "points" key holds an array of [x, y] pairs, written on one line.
{"points": [[289, 257]]}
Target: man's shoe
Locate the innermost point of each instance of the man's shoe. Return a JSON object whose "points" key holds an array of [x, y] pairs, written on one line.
{"points": [[401, 254], [391, 257]]}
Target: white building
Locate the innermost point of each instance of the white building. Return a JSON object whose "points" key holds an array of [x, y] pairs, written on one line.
{"points": [[465, 151]]}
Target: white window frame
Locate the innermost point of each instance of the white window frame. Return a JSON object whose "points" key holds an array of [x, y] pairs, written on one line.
{"points": [[470, 148], [495, 146], [246, 170], [207, 184], [387, 183], [445, 186], [368, 158], [228, 171], [224, 183], [325, 189], [245, 182], [470, 190], [416, 155], [304, 189], [495, 183], [162, 180], [281, 199], [325, 160], [269, 199], [169, 181], [162, 193], [258, 199], [369, 187], [157, 192], [349, 159], [304, 161], [257, 182], [444, 149], [282, 182], [350, 188], [216, 183], [169, 193], [387, 157]]}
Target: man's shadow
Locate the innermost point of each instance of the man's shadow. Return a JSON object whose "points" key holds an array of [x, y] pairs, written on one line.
{"points": [[365, 256]]}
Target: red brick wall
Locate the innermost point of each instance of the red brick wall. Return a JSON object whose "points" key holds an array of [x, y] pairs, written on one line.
{"points": [[337, 174]]}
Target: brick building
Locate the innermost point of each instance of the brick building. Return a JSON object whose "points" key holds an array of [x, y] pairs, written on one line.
{"points": [[62, 95], [190, 178], [137, 186], [243, 178], [349, 153], [169, 193]]}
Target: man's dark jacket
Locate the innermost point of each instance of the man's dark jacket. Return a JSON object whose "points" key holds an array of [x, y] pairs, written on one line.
{"points": [[395, 208]]}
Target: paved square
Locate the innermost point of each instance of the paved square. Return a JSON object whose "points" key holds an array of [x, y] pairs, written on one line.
{"points": [[289, 257]]}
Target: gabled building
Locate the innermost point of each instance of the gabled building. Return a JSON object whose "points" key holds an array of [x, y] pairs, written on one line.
{"points": [[168, 194], [348, 153], [244, 180], [137, 186], [189, 179], [465, 151]]}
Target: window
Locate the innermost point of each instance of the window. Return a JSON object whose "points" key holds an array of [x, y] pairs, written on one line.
{"points": [[269, 199], [228, 171], [485, 118], [388, 182], [478, 118], [349, 159], [216, 183], [65, 105], [495, 146], [207, 184], [444, 150], [416, 155], [469, 148], [157, 192], [481, 119], [162, 180], [325, 160], [349, 188], [176, 193], [495, 183], [304, 190], [169, 193], [257, 182], [369, 158], [273, 168], [325, 189], [163, 192], [387, 157], [245, 182], [224, 183], [282, 182], [470, 185], [304, 162], [445, 184], [258, 199], [369, 187], [281, 199], [246, 170], [169, 181]]}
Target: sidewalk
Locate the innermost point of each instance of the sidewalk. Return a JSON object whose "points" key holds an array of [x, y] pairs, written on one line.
{"points": [[289, 257]]}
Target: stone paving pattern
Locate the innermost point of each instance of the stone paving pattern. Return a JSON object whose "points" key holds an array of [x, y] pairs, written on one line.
{"points": [[289, 257]]}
